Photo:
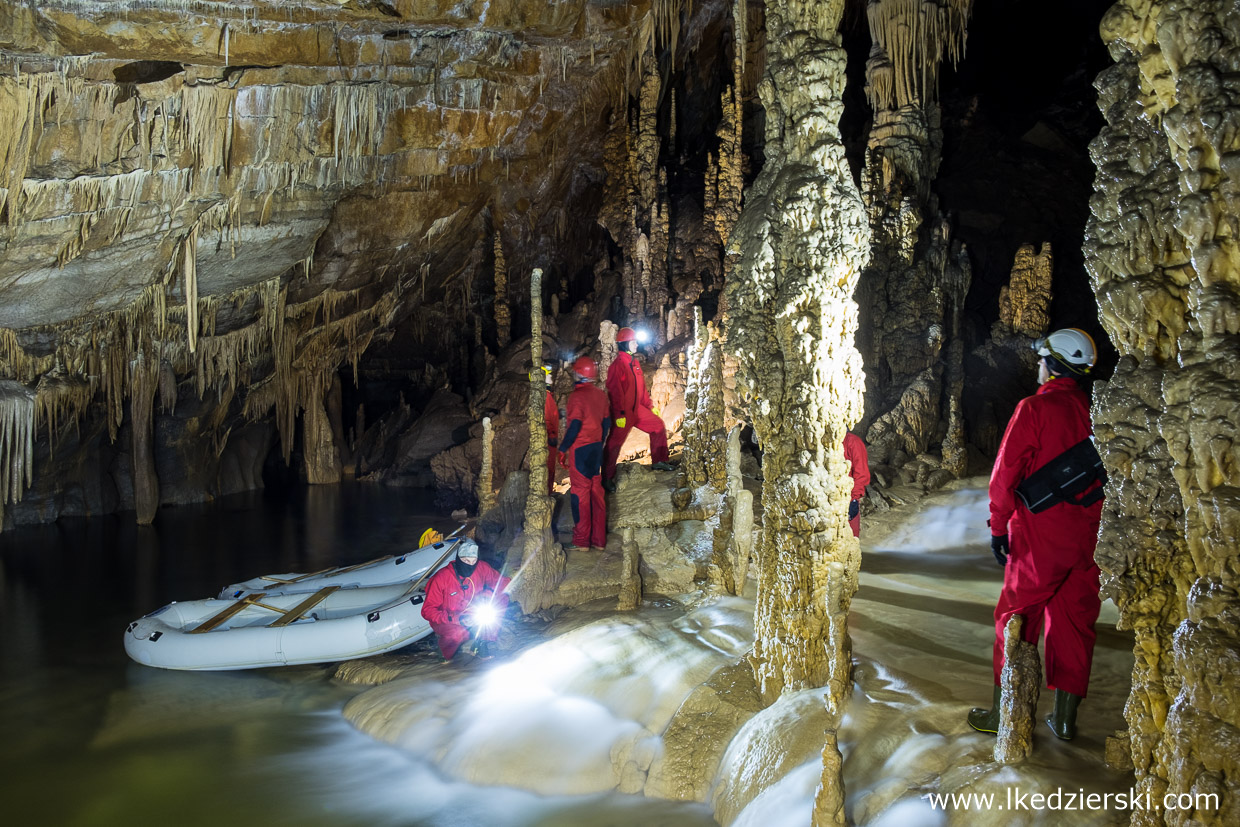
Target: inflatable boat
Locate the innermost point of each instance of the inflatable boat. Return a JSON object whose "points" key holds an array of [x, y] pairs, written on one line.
{"points": [[284, 619], [381, 572], [330, 624]]}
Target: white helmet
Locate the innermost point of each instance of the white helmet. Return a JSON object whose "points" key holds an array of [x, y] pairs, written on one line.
{"points": [[1071, 347]]}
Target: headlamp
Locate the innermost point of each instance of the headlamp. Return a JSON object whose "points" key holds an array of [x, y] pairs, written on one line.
{"points": [[485, 614]]}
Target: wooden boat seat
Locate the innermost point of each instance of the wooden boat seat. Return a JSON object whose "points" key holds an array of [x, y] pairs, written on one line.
{"points": [[304, 606], [212, 622]]}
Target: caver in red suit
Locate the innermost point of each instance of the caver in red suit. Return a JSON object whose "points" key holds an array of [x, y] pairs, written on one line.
{"points": [[587, 412], [551, 416], [454, 590], [859, 470], [631, 407], [1050, 576]]}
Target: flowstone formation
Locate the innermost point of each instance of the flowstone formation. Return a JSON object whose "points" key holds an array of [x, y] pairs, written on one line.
{"points": [[802, 238], [1161, 250], [912, 293]]}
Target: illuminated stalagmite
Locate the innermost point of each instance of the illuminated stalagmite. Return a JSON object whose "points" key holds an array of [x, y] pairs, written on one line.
{"points": [[1162, 251], [542, 559], [803, 239]]}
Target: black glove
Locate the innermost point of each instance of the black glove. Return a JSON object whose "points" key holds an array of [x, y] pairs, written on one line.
{"points": [[854, 508], [999, 546]]}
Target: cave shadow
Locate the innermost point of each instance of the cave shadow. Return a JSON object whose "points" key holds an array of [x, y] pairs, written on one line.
{"points": [[939, 564], [969, 612], [859, 621]]}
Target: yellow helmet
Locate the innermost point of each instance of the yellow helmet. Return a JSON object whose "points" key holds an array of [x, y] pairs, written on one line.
{"points": [[429, 537]]}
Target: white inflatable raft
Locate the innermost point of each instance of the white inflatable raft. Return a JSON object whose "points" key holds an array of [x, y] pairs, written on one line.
{"points": [[330, 624], [381, 572]]}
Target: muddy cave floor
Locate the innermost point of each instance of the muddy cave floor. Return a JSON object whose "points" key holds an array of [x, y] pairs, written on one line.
{"points": [[921, 627]]}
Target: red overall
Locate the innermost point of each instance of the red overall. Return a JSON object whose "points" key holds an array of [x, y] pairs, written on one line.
{"points": [[630, 401], [448, 596], [551, 416], [1050, 577], [587, 414], [859, 470]]}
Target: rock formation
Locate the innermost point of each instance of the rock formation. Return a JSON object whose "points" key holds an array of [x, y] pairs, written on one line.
{"points": [[912, 293], [1162, 256]]}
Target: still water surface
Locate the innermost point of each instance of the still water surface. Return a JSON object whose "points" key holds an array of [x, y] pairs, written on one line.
{"points": [[90, 738]]}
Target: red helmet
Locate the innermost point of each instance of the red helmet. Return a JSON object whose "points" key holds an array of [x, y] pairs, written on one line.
{"points": [[584, 366], [626, 334]]}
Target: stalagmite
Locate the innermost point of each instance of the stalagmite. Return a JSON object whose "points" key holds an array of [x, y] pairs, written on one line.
{"points": [[1021, 678], [693, 429], [1024, 303], [503, 315], [320, 450], [607, 348], [542, 559], [733, 538], [486, 482], [630, 572], [1161, 254]]}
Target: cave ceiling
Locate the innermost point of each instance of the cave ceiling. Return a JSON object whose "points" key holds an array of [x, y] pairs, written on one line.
{"points": [[365, 147]]}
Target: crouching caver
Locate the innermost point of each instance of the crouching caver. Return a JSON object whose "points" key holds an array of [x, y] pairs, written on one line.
{"points": [[465, 601]]}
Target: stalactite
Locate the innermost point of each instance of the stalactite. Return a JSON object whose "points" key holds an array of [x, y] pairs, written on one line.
{"points": [[915, 36], [542, 559], [503, 315], [143, 381], [190, 271], [17, 427]]}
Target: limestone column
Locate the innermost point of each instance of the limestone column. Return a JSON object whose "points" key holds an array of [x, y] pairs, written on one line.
{"points": [[1162, 252], [803, 239], [542, 559]]}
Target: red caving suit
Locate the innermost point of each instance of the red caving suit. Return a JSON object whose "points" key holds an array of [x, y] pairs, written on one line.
{"points": [[587, 413], [859, 470], [551, 416], [1050, 575], [448, 596], [630, 401]]}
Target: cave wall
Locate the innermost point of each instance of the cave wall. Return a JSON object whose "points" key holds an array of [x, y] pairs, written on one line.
{"points": [[1162, 253]]}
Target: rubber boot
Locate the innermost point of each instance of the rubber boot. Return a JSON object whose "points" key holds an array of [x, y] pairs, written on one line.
{"points": [[986, 720], [1062, 719]]}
